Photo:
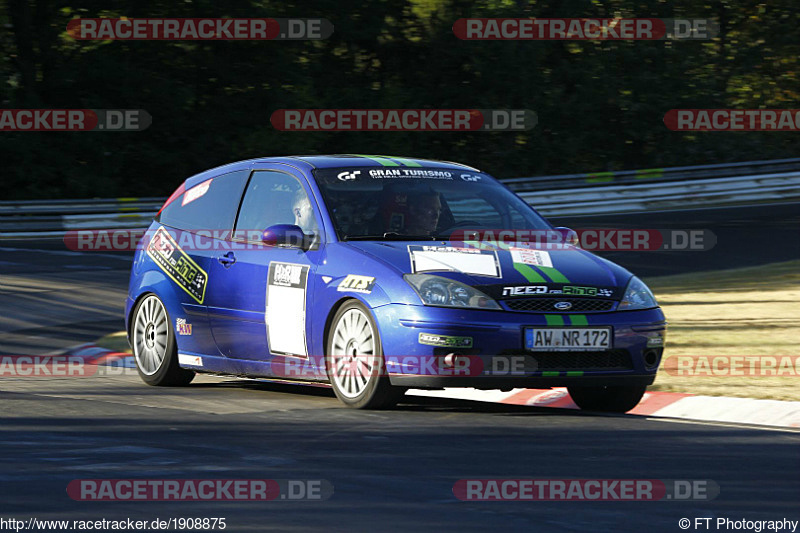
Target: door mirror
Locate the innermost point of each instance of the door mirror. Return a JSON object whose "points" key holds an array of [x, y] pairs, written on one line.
{"points": [[569, 236], [285, 236]]}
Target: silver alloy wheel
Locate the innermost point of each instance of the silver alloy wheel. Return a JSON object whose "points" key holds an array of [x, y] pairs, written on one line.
{"points": [[150, 334], [353, 357]]}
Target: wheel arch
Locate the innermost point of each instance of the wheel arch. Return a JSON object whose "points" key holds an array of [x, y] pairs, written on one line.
{"points": [[329, 320], [154, 282]]}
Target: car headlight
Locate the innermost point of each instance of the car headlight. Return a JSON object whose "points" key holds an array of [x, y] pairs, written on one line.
{"points": [[637, 296], [436, 290]]}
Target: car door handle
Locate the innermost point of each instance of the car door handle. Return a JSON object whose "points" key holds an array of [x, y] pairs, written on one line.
{"points": [[227, 260]]}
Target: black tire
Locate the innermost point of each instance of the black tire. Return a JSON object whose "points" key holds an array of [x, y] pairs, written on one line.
{"points": [[164, 372], [611, 399], [376, 392]]}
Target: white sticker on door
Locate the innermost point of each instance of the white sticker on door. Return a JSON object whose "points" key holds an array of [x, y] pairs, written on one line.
{"points": [[286, 308]]}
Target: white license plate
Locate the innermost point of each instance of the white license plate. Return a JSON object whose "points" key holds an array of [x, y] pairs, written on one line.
{"points": [[567, 339]]}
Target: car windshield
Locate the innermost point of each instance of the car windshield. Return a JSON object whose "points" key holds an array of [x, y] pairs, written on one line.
{"points": [[419, 203]]}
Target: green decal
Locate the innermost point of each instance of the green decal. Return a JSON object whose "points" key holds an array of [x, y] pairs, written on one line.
{"points": [[406, 162], [531, 275], [574, 373], [554, 320], [578, 320], [550, 374], [382, 160], [554, 274]]}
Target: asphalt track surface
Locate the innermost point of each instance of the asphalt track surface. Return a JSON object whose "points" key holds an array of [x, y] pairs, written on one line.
{"points": [[391, 470]]}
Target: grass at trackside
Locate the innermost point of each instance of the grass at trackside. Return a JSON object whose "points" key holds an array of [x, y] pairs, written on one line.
{"points": [[748, 311]]}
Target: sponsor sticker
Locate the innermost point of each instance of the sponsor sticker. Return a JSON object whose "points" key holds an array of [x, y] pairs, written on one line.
{"points": [[381, 173], [445, 340], [527, 290], [531, 257], [586, 291], [286, 275], [189, 360], [345, 176], [183, 327], [452, 259], [177, 264], [356, 283], [196, 192], [539, 289]]}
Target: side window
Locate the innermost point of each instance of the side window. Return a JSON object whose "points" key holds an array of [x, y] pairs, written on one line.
{"points": [[275, 198], [476, 209], [209, 205]]}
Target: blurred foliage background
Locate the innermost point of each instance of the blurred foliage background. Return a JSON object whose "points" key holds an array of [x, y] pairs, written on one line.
{"points": [[600, 103]]}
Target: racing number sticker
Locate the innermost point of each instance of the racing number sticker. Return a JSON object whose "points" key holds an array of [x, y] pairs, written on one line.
{"points": [[286, 309], [177, 264]]}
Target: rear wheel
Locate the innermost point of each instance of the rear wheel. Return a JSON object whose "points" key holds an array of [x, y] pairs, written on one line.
{"points": [[355, 362], [611, 399], [154, 346]]}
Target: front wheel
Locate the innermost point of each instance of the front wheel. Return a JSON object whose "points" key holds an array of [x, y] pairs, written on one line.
{"points": [[355, 362], [611, 399], [154, 346]]}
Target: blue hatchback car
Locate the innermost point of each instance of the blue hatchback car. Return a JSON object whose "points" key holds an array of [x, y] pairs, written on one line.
{"points": [[372, 273]]}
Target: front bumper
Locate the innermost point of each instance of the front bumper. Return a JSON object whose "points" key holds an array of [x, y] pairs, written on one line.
{"points": [[495, 356]]}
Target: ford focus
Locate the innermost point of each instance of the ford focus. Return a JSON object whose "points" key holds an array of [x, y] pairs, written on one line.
{"points": [[377, 274]]}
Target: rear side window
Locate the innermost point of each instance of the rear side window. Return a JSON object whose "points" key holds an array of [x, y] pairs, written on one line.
{"points": [[209, 205]]}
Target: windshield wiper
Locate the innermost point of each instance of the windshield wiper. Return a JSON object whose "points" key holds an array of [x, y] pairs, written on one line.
{"points": [[390, 236]]}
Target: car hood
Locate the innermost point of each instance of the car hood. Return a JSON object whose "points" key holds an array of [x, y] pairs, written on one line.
{"points": [[495, 268]]}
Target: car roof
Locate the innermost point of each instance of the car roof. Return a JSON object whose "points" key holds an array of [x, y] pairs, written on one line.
{"points": [[329, 161], [357, 160]]}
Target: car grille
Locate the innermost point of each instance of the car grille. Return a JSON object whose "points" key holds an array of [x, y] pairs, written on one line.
{"points": [[547, 305], [564, 361]]}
